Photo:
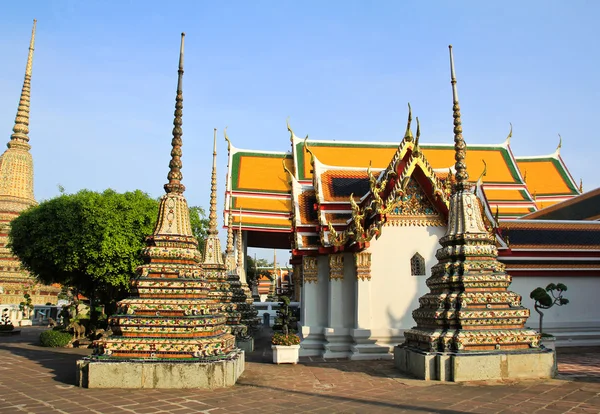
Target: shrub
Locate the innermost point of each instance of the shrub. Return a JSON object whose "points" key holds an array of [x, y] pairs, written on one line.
{"points": [[282, 339], [55, 339]]}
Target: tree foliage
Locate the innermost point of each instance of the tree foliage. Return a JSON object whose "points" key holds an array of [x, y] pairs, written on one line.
{"points": [[252, 269], [88, 241], [546, 298], [199, 223]]}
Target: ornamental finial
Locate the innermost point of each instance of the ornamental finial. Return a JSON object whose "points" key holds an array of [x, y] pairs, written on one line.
{"points": [[175, 176], [408, 134], [460, 148], [289, 128], [212, 215], [509, 135], [416, 149], [559, 144], [21, 127], [581, 185]]}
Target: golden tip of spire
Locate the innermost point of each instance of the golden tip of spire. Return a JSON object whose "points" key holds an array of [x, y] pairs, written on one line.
{"points": [[215, 142]]}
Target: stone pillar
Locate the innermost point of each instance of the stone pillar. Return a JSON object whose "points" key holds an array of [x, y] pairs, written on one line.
{"points": [[364, 345], [337, 335], [310, 273], [297, 278], [311, 327]]}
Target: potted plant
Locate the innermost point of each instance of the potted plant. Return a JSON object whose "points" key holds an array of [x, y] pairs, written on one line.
{"points": [[5, 323], [545, 299], [285, 345]]}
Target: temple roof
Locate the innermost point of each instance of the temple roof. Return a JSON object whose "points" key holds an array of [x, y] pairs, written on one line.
{"points": [[261, 187], [548, 179], [583, 207], [564, 248]]}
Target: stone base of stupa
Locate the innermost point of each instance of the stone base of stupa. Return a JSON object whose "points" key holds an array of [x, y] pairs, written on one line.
{"points": [[93, 373], [246, 344], [535, 363]]}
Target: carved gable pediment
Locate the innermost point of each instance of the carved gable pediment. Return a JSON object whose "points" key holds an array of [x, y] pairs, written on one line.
{"points": [[413, 207]]}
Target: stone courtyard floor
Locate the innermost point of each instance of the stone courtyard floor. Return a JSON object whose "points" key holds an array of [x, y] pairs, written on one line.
{"points": [[41, 380]]}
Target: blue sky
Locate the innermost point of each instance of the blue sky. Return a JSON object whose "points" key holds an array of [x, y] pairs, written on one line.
{"points": [[105, 74]]}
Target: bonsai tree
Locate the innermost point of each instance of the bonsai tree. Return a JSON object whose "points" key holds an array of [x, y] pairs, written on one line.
{"points": [[284, 315], [5, 323], [546, 298], [26, 306]]}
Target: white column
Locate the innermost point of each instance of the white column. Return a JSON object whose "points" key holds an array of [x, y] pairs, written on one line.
{"points": [[365, 346]]}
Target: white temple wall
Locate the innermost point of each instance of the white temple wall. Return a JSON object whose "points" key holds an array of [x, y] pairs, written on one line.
{"points": [[578, 322], [395, 292]]}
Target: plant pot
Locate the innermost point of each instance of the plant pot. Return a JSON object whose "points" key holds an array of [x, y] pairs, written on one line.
{"points": [[548, 342], [285, 354]]}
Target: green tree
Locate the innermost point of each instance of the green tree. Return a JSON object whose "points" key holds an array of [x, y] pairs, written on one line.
{"points": [[88, 241], [199, 223], [546, 298], [253, 272]]}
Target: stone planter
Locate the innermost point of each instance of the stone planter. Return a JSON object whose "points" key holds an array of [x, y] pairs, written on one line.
{"points": [[285, 354], [548, 342]]}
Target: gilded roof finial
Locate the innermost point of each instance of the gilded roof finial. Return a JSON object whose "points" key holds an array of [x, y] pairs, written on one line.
{"points": [[507, 141], [212, 215], [228, 141], [460, 148], [21, 127], [286, 169], [229, 248], [484, 172], [175, 176], [417, 149], [312, 156], [559, 144], [497, 215], [289, 128], [581, 185], [408, 134]]}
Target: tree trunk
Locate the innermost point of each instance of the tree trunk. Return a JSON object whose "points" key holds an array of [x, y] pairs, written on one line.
{"points": [[541, 317]]}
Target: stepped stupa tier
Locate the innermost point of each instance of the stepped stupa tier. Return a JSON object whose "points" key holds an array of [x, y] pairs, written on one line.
{"points": [[213, 265], [172, 312], [16, 195], [468, 307]]}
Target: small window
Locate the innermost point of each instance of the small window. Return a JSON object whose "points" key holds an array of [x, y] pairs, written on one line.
{"points": [[417, 265]]}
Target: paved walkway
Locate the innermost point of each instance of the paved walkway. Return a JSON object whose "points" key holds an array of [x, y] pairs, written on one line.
{"points": [[40, 380]]}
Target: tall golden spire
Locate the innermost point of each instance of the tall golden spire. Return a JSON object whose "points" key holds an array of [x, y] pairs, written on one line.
{"points": [[21, 128], [175, 176], [460, 148], [229, 249], [240, 252], [212, 215]]}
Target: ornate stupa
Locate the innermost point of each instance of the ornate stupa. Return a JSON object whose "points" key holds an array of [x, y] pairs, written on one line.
{"points": [[242, 296], [170, 314], [16, 195], [469, 326], [213, 265]]}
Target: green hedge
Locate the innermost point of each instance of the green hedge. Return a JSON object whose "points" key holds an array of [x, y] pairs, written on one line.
{"points": [[55, 339]]}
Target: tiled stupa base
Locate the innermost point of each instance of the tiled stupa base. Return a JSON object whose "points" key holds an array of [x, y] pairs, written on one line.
{"points": [[476, 366], [94, 373]]}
